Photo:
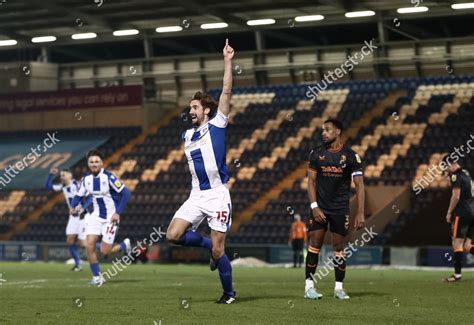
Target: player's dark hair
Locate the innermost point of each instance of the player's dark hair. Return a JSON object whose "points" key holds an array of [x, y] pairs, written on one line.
{"points": [[207, 101], [447, 162], [95, 153], [445, 159], [336, 123], [67, 170]]}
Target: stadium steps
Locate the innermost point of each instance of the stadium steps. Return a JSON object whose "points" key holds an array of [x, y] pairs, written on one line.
{"points": [[56, 199], [280, 151], [10, 203], [377, 111], [383, 206], [141, 138], [272, 194]]}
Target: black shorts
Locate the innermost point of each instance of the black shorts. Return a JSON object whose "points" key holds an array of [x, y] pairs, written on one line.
{"points": [[462, 225], [338, 223], [297, 244]]}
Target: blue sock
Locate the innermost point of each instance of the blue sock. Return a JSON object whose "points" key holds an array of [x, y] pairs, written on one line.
{"points": [[122, 246], [225, 274], [97, 246], [75, 254], [192, 238], [95, 269]]}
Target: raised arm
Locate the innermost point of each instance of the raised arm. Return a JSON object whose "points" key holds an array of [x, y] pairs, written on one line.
{"points": [[224, 100], [49, 182]]}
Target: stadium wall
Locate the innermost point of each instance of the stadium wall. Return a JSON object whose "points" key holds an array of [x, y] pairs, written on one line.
{"points": [[80, 108]]}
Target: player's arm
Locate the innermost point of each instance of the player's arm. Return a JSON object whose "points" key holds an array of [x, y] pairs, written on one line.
{"points": [[305, 237], [455, 195], [224, 100], [312, 182], [81, 192], [357, 175], [86, 202], [123, 200], [49, 182], [117, 186], [360, 195]]}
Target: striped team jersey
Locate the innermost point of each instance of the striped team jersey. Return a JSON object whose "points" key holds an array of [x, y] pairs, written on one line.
{"points": [[105, 189], [69, 191], [205, 150]]}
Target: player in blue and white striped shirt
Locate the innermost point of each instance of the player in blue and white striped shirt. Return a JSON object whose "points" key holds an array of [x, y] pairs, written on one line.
{"points": [[205, 150], [75, 225], [109, 197]]}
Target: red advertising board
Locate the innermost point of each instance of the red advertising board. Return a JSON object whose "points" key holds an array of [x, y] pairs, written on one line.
{"points": [[71, 99]]}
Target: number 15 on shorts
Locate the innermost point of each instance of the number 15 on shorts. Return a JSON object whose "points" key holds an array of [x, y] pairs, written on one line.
{"points": [[222, 216]]}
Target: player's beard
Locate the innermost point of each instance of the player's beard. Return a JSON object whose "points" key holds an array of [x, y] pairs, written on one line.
{"points": [[95, 172], [198, 122], [328, 142]]}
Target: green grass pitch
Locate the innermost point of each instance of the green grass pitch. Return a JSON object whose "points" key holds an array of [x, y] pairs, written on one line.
{"points": [[40, 293]]}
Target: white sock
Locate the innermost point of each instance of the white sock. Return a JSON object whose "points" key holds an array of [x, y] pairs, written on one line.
{"points": [[457, 276], [308, 284], [338, 286]]}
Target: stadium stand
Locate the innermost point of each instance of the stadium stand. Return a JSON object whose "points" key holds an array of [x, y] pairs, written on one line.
{"points": [[272, 130]]}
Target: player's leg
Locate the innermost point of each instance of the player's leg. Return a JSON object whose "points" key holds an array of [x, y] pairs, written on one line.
{"points": [[223, 265], [339, 227], [71, 240], [458, 256], [339, 261], [316, 233], [459, 230], [93, 260], [181, 229], [107, 246], [217, 206], [468, 247], [93, 232], [82, 237], [72, 230], [300, 252], [295, 252]]}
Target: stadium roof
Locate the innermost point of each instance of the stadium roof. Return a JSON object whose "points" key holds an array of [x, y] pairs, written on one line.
{"points": [[25, 19]]}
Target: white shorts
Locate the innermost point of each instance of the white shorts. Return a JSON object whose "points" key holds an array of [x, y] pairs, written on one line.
{"points": [[215, 204], [101, 227], [73, 226], [82, 233]]}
